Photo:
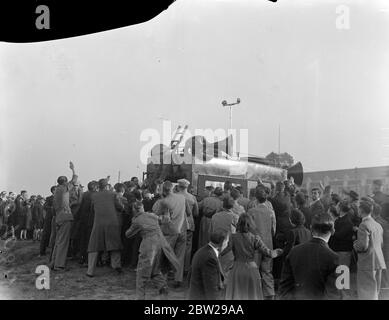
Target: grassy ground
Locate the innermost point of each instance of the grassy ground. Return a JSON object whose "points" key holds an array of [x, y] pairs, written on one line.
{"points": [[18, 279]]}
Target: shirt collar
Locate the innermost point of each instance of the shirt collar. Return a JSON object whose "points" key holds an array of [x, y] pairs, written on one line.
{"points": [[366, 218], [321, 238], [214, 249]]}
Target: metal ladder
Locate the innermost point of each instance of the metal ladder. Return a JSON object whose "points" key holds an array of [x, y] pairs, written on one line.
{"points": [[178, 136]]}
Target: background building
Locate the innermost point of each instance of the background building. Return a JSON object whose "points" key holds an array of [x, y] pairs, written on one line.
{"points": [[357, 179]]}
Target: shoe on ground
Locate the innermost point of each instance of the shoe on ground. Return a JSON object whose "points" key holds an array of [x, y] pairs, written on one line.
{"points": [[163, 291], [89, 275], [119, 270], [58, 269], [177, 284]]}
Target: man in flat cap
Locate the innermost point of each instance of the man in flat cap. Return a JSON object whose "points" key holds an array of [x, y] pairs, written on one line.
{"points": [[105, 235], [183, 185], [378, 196]]}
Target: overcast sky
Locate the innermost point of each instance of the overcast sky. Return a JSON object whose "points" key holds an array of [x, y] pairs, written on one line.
{"points": [[88, 98]]}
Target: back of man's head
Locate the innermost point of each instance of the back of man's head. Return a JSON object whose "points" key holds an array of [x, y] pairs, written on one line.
{"points": [[103, 184], [218, 191], [365, 207], [167, 187], [300, 198], [119, 187], [344, 206], [297, 217], [322, 224], [228, 202], [235, 194], [260, 194], [218, 237], [92, 185], [62, 180]]}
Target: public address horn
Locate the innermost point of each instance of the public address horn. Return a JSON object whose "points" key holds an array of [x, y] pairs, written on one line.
{"points": [[296, 171]]}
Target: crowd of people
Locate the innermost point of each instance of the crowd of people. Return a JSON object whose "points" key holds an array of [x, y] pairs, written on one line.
{"points": [[280, 243]]}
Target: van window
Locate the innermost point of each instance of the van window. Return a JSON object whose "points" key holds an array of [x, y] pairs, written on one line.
{"points": [[219, 184]]}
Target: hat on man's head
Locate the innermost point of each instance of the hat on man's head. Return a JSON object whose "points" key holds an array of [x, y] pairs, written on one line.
{"points": [[352, 194], [183, 183], [377, 182], [3, 193], [368, 199]]}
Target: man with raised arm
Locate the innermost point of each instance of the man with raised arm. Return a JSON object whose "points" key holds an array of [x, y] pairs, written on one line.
{"points": [[63, 220]]}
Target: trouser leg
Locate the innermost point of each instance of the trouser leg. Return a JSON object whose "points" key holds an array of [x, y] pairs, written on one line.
{"points": [[265, 269], [115, 259], [143, 273], [61, 244], [159, 280], [134, 251], [92, 260], [179, 250], [367, 285], [156, 275], [53, 233], [384, 292], [188, 250]]}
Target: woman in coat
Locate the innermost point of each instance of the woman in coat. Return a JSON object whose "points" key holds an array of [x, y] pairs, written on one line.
{"points": [[244, 280]]}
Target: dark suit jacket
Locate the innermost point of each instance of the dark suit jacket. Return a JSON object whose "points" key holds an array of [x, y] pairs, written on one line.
{"points": [[309, 272], [298, 235], [105, 235], [206, 277], [282, 208], [316, 208]]}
